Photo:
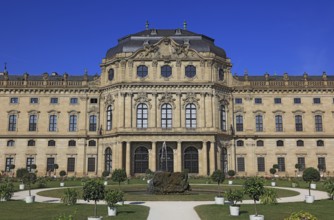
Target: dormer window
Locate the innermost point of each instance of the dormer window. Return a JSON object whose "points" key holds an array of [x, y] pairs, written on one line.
{"points": [[111, 74], [221, 74]]}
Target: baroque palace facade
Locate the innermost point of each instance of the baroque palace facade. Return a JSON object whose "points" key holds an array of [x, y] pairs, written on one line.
{"points": [[166, 100]]}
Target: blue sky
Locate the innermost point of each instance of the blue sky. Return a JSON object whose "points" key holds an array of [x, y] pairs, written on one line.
{"points": [[293, 36]]}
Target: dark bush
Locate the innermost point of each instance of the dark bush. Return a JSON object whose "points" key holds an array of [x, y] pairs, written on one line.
{"points": [[166, 183]]}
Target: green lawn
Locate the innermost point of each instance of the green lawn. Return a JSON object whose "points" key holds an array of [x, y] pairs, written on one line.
{"points": [[137, 192], [322, 209], [14, 210]]}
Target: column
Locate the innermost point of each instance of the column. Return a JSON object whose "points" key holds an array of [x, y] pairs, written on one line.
{"points": [[203, 108], [212, 155], [178, 158], [128, 158], [204, 160], [153, 157]]}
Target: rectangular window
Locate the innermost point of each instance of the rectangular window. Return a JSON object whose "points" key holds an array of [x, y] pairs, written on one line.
{"points": [[238, 100], [74, 101], [241, 164], [50, 162], [14, 100], [299, 123], [239, 123], [258, 101], [93, 101], [54, 100], [322, 163], [70, 164], [9, 162], [297, 101], [33, 100], [91, 164], [260, 164], [73, 123], [279, 123], [53, 123], [259, 123], [92, 123], [277, 101], [301, 162], [12, 123], [316, 100], [281, 164], [30, 161], [33, 123], [318, 123]]}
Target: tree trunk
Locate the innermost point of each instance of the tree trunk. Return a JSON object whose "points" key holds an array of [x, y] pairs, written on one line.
{"points": [[255, 208], [95, 209]]}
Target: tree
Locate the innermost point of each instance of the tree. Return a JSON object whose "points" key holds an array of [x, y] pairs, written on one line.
{"points": [[105, 174], [219, 177], [254, 188], [93, 190], [20, 173], [311, 175], [62, 174], [234, 196], [119, 175], [113, 196], [29, 179], [231, 173], [55, 167]]}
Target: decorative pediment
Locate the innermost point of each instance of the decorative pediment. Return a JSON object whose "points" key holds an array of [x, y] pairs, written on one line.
{"points": [[142, 98], [167, 98], [166, 49], [108, 100], [223, 99], [191, 99]]}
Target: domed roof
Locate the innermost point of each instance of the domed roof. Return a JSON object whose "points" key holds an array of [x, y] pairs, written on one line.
{"points": [[134, 42]]}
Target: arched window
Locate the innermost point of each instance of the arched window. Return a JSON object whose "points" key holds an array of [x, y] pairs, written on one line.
{"points": [[222, 118], [169, 162], [108, 159], [300, 143], [109, 118], [92, 143], [259, 143], [31, 143], [191, 159], [141, 160], [190, 71], [190, 116], [239, 123], [142, 114], [72, 143], [92, 123], [320, 143], [166, 71], [142, 71], [73, 123], [221, 74], [111, 74], [280, 143], [10, 143], [259, 123], [166, 116], [240, 143], [51, 143]]}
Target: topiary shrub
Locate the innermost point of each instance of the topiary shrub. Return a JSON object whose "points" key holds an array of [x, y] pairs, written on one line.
{"points": [[93, 190], [219, 177], [20, 173], [29, 179], [112, 197], [69, 197], [311, 175], [105, 174], [254, 188], [231, 173], [166, 183], [234, 196], [301, 215], [62, 174], [119, 175]]}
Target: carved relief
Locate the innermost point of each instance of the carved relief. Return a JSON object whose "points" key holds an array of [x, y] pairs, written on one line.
{"points": [[223, 99], [142, 98], [167, 98], [190, 98], [109, 100]]}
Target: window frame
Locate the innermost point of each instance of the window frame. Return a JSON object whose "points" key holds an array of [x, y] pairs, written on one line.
{"points": [[190, 71], [279, 123], [73, 123], [277, 101], [259, 123], [223, 122], [239, 123], [318, 123], [258, 101], [12, 122], [142, 71], [142, 115], [166, 116], [241, 164], [72, 102], [166, 71], [297, 100], [92, 123], [191, 115], [299, 123], [32, 122], [54, 100], [261, 165], [111, 74], [53, 123], [109, 114], [281, 164]]}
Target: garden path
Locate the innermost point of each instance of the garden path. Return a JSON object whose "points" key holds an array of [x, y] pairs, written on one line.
{"points": [[174, 210]]}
